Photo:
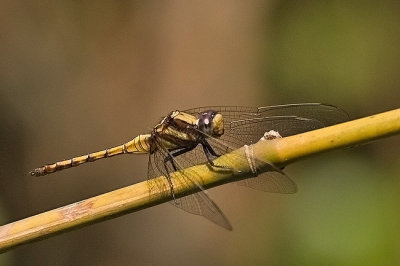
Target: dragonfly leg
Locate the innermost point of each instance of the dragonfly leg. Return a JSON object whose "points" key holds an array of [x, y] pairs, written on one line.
{"points": [[168, 177], [209, 151], [207, 146], [170, 158], [182, 151]]}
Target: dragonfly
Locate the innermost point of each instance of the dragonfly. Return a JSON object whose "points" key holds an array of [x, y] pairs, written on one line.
{"points": [[200, 135]]}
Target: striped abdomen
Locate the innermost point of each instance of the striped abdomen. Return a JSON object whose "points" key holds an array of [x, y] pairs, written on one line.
{"points": [[140, 144]]}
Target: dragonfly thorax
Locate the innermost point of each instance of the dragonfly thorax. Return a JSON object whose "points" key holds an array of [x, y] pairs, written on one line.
{"points": [[211, 123]]}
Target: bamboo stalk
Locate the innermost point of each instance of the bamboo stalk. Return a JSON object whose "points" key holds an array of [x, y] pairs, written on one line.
{"points": [[136, 197]]}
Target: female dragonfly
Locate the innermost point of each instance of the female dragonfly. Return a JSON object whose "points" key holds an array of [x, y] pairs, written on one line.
{"points": [[199, 135]]}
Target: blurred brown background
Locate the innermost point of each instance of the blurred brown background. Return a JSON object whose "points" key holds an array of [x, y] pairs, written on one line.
{"points": [[76, 77]]}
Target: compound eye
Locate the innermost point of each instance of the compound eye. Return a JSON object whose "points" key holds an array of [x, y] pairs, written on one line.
{"points": [[205, 123]]}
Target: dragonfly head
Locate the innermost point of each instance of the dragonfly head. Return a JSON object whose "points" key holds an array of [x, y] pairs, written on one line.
{"points": [[211, 123]]}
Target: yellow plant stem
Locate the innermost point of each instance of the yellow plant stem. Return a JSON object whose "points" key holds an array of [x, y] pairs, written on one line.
{"points": [[279, 152]]}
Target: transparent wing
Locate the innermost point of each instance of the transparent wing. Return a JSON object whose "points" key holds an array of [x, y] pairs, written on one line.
{"points": [[198, 203], [327, 114], [246, 125]]}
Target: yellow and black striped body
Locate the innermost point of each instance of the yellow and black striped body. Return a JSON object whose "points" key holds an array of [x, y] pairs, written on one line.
{"points": [[140, 144], [174, 131], [177, 131]]}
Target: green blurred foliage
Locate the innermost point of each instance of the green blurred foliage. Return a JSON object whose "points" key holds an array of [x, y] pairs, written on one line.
{"points": [[335, 49], [347, 217]]}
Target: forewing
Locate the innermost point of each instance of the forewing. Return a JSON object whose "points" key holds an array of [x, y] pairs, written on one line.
{"points": [[246, 125], [327, 114]]}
